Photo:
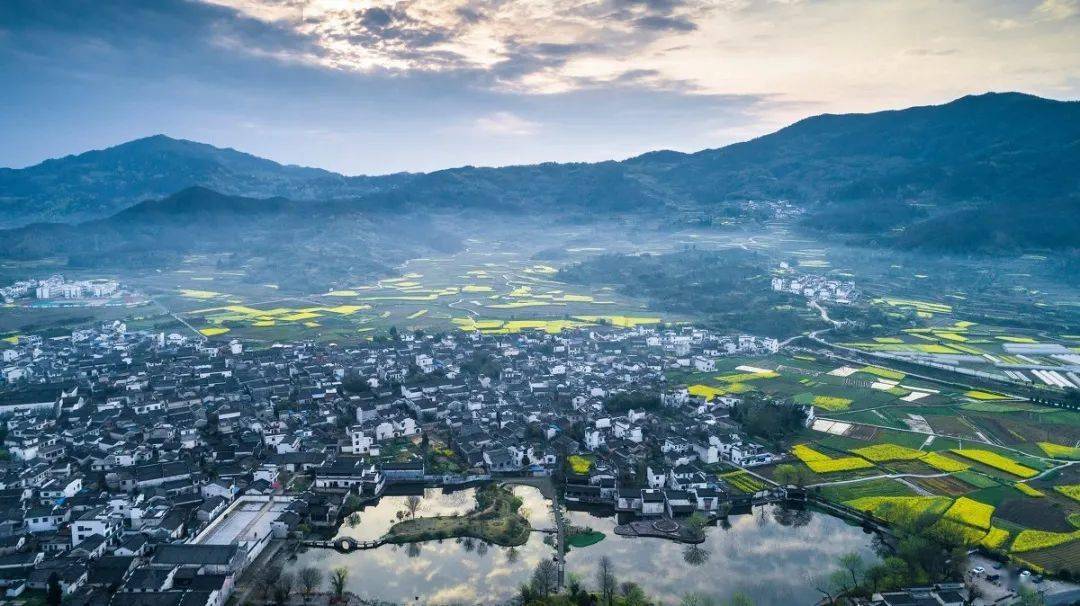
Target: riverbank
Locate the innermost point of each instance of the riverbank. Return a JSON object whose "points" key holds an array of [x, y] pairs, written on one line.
{"points": [[497, 519]]}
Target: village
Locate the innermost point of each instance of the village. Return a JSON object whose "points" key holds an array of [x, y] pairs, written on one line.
{"points": [[162, 464]]}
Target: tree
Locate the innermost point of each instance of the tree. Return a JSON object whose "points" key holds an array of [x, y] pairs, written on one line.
{"points": [[54, 594], [790, 475], [1029, 597], [268, 578], [545, 579], [853, 564], [412, 504], [283, 588], [337, 582], [740, 599], [632, 594], [697, 599], [605, 580], [310, 579]]}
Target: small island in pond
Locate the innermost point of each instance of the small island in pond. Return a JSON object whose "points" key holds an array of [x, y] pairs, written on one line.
{"points": [[497, 519]]}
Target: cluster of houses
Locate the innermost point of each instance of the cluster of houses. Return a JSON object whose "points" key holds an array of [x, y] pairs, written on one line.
{"points": [[56, 287], [131, 455], [816, 287]]}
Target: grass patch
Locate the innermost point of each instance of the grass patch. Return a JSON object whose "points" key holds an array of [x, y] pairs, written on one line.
{"points": [[881, 487], [496, 520]]}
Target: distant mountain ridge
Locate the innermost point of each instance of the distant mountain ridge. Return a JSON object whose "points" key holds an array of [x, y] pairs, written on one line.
{"points": [[983, 173], [98, 183]]}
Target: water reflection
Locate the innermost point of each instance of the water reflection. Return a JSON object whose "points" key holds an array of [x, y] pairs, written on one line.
{"points": [[767, 554]]}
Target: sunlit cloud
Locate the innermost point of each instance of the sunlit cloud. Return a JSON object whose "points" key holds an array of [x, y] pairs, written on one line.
{"points": [[541, 46], [841, 54]]}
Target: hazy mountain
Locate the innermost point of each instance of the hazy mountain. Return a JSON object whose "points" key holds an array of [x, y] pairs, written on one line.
{"points": [[306, 245], [98, 183], [982, 173]]}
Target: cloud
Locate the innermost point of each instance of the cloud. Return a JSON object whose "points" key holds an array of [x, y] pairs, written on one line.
{"points": [[541, 46], [1057, 10], [506, 124]]}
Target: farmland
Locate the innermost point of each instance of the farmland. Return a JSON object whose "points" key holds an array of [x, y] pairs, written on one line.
{"points": [[485, 292], [908, 444]]}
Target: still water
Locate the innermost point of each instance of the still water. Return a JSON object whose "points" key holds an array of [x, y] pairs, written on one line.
{"points": [[766, 554]]}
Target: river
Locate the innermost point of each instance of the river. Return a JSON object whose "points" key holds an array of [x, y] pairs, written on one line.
{"points": [[756, 553]]}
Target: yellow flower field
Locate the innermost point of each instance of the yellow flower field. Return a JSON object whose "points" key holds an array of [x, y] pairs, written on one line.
{"points": [[993, 459], [1028, 489], [883, 372], [995, 538], [985, 395], [1071, 490], [970, 512], [705, 391], [823, 463], [888, 508], [943, 463], [1058, 451], [832, 403], [579, 464], [1030, 540], [888, 452]]}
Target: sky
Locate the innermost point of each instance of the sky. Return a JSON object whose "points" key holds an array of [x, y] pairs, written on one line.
{"points": [[378, 86]]}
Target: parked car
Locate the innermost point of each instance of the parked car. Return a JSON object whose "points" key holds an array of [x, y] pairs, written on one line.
{"points": [[978, 570]]}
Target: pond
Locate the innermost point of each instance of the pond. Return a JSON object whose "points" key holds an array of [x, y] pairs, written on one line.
{"points": [[768, 554]]}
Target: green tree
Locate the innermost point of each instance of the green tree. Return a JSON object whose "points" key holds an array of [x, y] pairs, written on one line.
{"points": [[54, 594], [790, 475], [338, 577]]}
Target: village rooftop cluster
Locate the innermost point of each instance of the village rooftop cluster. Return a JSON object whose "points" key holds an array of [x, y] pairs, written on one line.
{"points": [[161, 466]]}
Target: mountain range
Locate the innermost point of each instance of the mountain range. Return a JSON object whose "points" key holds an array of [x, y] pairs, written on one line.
{"points": [[986, 173]]}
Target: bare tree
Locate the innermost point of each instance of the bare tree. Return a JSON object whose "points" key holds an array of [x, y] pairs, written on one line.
{"points": [[606, 582], [310, 578], [338, 577], [283, 588], [545, 578], [268, 578], [412, 504]]}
